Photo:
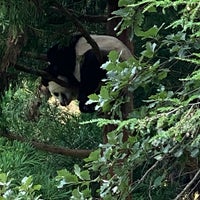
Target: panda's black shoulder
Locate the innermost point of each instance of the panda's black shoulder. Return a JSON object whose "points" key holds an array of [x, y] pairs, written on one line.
{"points": [[60, 52], [74, 39]]}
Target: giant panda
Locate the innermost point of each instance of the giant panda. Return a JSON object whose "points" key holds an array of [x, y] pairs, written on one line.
{"points": [[79, 67]]}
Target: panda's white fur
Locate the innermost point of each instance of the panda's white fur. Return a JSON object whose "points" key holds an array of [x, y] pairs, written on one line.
{"points": [[105, 43], [63, 94]]}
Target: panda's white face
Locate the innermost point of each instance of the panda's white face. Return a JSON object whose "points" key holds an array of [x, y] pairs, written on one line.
{"points": [[63, 94]]}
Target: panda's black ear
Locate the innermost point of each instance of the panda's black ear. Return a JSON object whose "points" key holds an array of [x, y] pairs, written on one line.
{"points": [[44, 82], [52, 52]]}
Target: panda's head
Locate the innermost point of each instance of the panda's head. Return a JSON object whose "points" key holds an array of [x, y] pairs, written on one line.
{"points": [[63, 94], [61, 64]]}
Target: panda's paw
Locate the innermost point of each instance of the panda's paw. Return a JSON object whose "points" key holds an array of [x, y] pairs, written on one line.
{"points": [[87, 108]]}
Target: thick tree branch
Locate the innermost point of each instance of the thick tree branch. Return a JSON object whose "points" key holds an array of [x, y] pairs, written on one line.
{"points": [[79, 153], [41, 73], [81, 28], [94, 18]]}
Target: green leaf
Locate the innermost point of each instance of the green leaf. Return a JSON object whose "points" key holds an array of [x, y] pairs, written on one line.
{"points": [[93, 97], [158, 181], [150, 49], [37, 187], [108, 66], [86, 193], [27, 180], [26, 183], [162, 75], [124, 2], [195, 152], [94, 156], [150, 33], [69, 177], [113, 56], [111, 137], [158, 157], [178, 153], [104, 93], [77, 195], [3, 177], [85, 175], [77, 170]]}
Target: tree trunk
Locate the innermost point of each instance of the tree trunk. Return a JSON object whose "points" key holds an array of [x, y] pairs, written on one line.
{"points": [[13, 49], [126, 107], [124, 37], [111, 24]]}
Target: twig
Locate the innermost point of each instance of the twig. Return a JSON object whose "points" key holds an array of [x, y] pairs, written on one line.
{"points": [[192, 190], [80, 153], [188, 185], [150, 185], [156, 163], [146, 173]]}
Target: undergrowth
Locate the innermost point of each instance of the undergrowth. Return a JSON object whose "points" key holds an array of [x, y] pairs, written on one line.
{"points": [[51, 126]]}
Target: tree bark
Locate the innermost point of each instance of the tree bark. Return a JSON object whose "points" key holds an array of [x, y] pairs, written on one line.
{"points": [[78, 153], [127, 107], [124, 37], [111, 24], [13, 49]]}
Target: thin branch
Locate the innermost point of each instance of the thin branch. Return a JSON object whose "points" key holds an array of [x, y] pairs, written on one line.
{"points": [[42, 57], [87, 18], [192, 190], [156, 164], [150, 185], [81, 28], [188, 185], [80, 153], [146, 173]]}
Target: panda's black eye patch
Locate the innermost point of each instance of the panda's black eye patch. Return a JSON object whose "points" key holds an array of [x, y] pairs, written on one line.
{"points": [[56, 94], [63, 96]]}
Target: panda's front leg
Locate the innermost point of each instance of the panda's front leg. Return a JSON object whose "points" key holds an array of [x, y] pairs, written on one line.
{"points": [[89, 108]]}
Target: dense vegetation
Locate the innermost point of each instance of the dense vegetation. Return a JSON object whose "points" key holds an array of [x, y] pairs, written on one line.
{"points": [[160, 158]]}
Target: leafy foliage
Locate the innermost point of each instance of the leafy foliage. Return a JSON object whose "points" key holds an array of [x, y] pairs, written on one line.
{"points": [[162, 150], [22, 160], [16, 106], [25, 191]]}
